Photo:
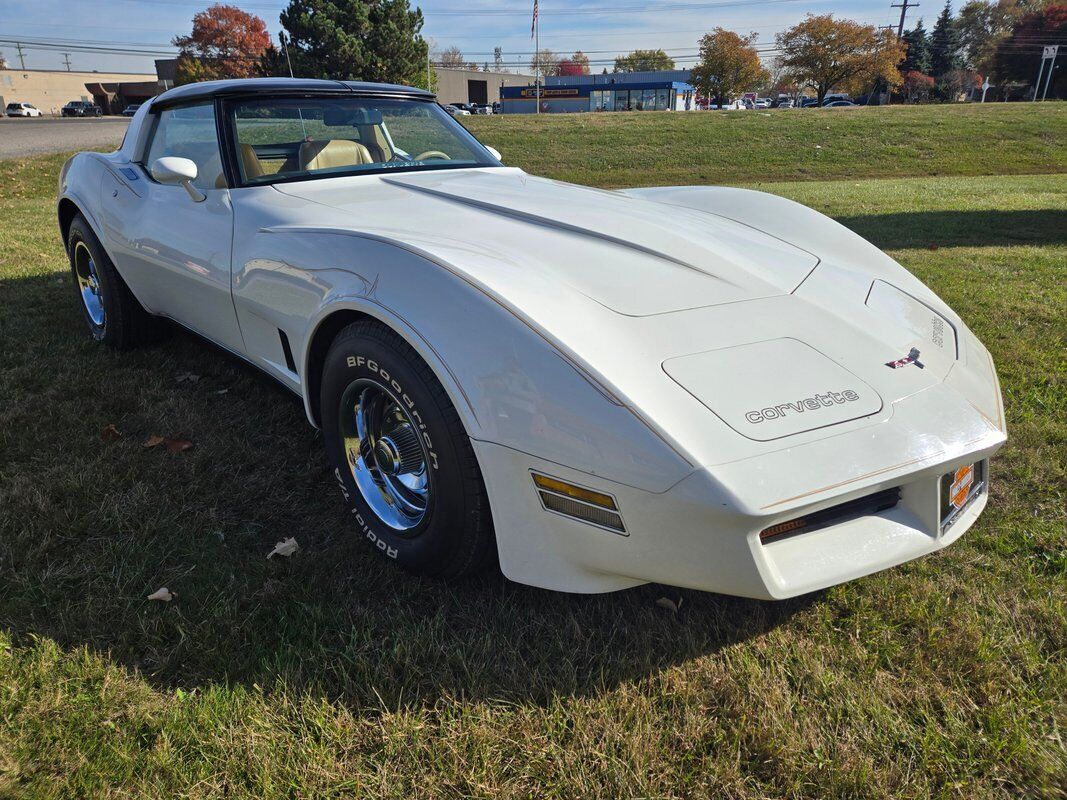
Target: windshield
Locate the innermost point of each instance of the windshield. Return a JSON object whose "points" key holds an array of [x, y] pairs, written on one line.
{"points": [[294, 138]]}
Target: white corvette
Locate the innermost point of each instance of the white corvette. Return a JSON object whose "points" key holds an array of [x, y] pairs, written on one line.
{"points": [[705, 387]]}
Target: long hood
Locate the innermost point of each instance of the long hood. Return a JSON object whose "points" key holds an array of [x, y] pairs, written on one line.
{"points": [[622, 252], [731, 342]]}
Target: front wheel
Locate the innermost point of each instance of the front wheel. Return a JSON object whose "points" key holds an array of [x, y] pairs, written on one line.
{"points": [[401, 456], [110, 310]]}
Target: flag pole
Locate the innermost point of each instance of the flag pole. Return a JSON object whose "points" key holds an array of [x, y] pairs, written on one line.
{"points": [[537, 56]]}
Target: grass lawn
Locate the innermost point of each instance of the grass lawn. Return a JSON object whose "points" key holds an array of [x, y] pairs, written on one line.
{"points": [[331, 674], [644, 149]]}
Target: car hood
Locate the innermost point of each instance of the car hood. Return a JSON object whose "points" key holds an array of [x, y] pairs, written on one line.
{"points": [[622, 252], [674, 312]]}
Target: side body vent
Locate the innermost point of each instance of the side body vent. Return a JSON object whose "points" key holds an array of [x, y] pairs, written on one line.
{"points": [[287, 351]]}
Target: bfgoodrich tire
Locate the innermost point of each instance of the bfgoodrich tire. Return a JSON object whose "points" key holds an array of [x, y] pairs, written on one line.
{"points": [[402, 457], [110, 310]]}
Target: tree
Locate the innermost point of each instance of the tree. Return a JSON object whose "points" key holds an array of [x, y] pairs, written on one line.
{"points": [[823, 52], [981, 27], [728, 66], [371, 40], [545, 60], [955, 83], [945, 44], [917, 86], [918, 44], [577, 64], [225, 42], [644, 61], [1019, 55], [452, 58], [3, 61]]}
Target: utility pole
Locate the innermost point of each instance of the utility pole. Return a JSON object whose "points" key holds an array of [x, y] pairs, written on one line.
{"points": [[66, 60], [22, 58], [903, 11]]}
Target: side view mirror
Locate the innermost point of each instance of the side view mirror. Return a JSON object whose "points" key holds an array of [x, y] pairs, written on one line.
{"points": [[494, 153], [174, 171]]}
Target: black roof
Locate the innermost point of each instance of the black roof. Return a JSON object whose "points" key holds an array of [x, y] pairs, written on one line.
{"points": [[268, 86]]}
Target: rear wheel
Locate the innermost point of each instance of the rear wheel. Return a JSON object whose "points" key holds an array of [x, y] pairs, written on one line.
{"points": [[111, 311], [402, 457]]}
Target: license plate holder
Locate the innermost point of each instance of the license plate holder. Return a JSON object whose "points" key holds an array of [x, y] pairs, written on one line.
{"points": [[959, 488]]}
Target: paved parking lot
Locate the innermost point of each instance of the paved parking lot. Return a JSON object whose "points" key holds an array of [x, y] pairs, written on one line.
{"points": [[23, 137]]}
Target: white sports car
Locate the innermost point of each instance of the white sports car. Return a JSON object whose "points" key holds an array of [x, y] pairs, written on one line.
{"points": [[705, 387]]}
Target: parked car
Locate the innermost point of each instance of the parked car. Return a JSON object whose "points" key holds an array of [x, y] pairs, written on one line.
{"points": [[763, 102], [131, 109], [840, 104], [22, 110], [483, 110], [709, 387], [457, 110], [497, 107], [81, 108], [786, 103]]}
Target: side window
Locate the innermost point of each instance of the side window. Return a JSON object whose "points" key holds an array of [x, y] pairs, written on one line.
{"points": [[189, 132]]}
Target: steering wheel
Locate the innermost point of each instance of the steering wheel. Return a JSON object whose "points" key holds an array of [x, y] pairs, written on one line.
{"points": [[433, 154]]}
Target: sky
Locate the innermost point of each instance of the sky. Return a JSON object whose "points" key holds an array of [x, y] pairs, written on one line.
{"points": [[600, 28]]}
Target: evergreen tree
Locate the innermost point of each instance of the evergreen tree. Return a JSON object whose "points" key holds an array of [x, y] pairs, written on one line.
{"points": [[918, 57], [945, 53], [370, 40]]}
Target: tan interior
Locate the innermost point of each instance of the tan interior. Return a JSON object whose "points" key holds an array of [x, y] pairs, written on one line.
{"points": [[333, 153], [250, 161]]}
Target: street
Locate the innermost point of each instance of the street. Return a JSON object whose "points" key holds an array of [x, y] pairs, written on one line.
{"points": [[21, 137]]}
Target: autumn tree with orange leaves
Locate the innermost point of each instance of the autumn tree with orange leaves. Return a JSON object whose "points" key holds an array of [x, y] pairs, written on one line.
{"points": [[826, 53], [226, 42], [729, 65]]}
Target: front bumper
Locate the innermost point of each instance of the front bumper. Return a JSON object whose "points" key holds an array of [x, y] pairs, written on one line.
{"points": [[703, 533]]}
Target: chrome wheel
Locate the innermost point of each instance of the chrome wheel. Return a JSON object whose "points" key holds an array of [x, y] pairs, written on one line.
{"points": [[386, 454], [89, 284]]}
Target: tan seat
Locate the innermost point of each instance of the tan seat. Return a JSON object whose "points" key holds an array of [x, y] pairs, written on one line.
{"points": [[333, 153], [250, 161]]}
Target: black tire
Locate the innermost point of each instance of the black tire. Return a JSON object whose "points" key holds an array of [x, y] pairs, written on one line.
{"points": [[453, 538], [124, 323]]}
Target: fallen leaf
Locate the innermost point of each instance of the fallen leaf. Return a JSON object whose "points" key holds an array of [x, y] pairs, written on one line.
{"points": [[172, 445], [222, 391], [110, 433], [163, 595], [284, 548], [189, 377], [667, 603]]}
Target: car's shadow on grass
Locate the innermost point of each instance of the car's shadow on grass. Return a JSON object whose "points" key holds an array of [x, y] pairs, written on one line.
{"points": [[924, 229], [91, 523]]}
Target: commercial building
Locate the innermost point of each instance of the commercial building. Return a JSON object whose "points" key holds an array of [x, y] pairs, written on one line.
{"points": [[474, 86], [50, 90], [667, 90]]}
